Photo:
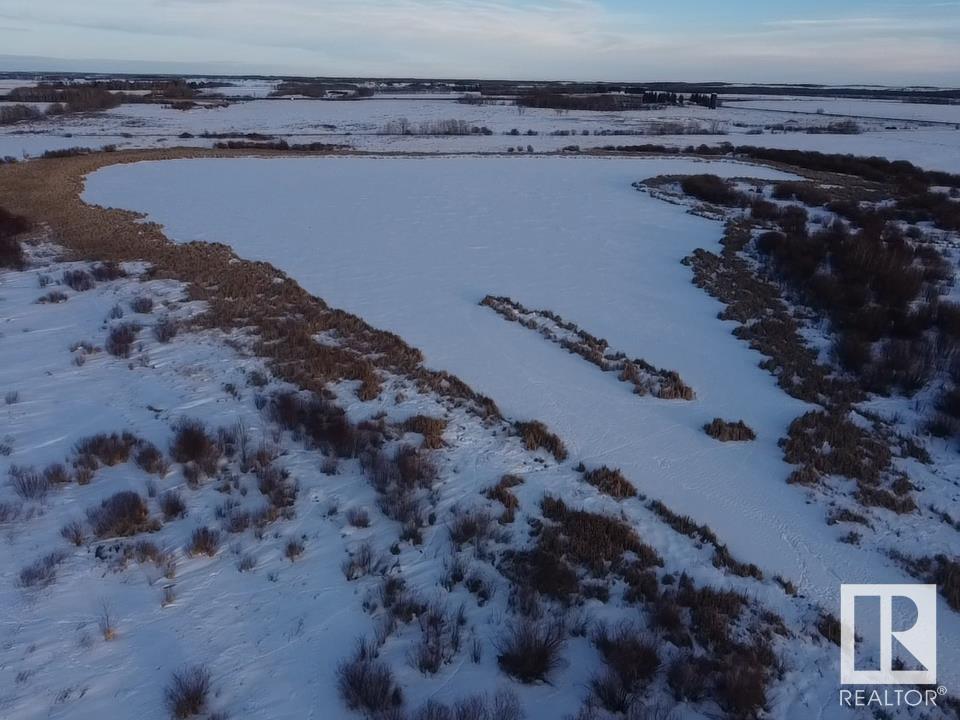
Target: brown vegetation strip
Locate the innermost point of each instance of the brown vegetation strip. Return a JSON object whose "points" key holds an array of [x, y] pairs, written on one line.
{"points": [[645, 378], [240, 293]]}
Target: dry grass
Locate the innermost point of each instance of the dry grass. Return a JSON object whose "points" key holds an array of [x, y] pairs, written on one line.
{"points": [[537, 436], [186, 694], [431, 428], [610, 482]]}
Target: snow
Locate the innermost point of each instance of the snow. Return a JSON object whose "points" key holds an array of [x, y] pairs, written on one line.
{"points": [[360, 123], [884, 109], [412, 245]]}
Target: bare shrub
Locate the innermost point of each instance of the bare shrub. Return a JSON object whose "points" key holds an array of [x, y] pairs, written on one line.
{"points": [[28, 483], [632, 657], [142, 304], [531, 651], [610, 482], [536, 435], [204, 541], [42, 572], [358, 517], [150, 459], [122, 514], [472, 526], [53, 297], [186, 693], [165, 329], [106, 271], [106, 622], [726, 431], [121, 338], [192, 444], [74, 533], [110, 450], [78, 280], [366, 684], [359, 563], [172, 505], [293, 549], [56, 474]]}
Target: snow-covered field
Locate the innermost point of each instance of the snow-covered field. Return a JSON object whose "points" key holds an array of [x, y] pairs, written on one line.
{"points": [[412, 245], [884, 109], [360, 124]]}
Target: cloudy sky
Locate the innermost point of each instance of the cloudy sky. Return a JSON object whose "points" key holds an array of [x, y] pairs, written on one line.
{"points": [[850, 41]]}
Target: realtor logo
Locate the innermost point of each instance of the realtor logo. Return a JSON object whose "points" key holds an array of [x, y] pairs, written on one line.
{"points": [[916, 644]]}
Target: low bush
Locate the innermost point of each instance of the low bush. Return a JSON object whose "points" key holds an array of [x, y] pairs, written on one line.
{"points": [[165, 329], [73, 533], [727, 431], [56, 474], [110, 450], [186, 694], [172, 505], [631, 656], [204, 541], [122, 514], [79, 280], [42, 572], [54, 297], [712, 189], [358, 517], [120, 339], [28, 483], [472, 526], [107, 271], [192, 444], [366, 684], [531, 651], [142, 304], [150, 459]]}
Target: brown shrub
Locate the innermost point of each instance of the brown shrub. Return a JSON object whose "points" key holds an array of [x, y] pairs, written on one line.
{"points": [[727, 431], [79, 280], [366, 684], [627, 653], [192, 444], [172, 505], [186, 694], [122, 514], [531, 651], [121, 338], [110, 450], [204, 541], [150, 459]]}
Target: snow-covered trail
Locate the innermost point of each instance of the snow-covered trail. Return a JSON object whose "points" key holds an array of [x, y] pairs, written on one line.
{"points": [[412, 245]]}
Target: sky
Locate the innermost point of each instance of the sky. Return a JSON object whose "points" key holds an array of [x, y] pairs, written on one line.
{"points": [[847, 41]]}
